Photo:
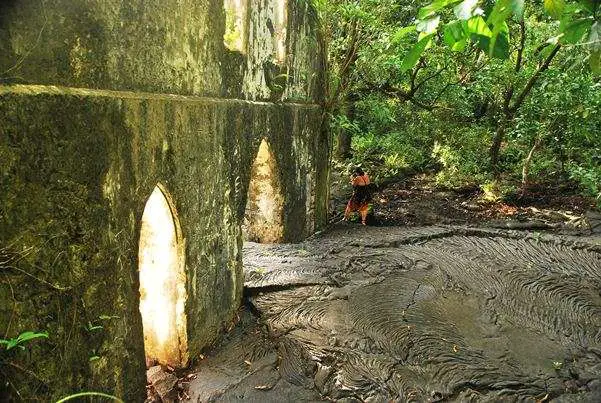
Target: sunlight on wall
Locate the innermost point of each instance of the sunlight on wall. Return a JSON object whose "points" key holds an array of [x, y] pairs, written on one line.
{"points": [[281, 21], [234, 37], [162, 283], [264, 207]]}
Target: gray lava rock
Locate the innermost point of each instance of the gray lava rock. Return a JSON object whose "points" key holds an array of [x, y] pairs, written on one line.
{"points": [[162, 382]]}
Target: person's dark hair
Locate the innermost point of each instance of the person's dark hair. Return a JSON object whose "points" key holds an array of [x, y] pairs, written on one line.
{"points": [[358, 171]]}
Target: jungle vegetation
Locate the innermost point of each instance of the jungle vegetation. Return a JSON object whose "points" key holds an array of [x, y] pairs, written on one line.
{"points": [[500, 94]]}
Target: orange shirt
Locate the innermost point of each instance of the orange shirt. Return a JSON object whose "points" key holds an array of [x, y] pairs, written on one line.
{"points": [[360, 180]]}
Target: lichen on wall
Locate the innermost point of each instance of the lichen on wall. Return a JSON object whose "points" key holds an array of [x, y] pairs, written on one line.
{"points": [[285, 59], [168, 46], [306, 70]]}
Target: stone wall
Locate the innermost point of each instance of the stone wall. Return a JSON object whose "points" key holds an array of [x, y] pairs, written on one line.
{"points": [[159, 46], [99, 102]]}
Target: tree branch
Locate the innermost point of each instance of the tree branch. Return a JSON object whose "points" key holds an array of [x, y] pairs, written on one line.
{"points": [[507, 100], [413, 74], [406, 96], [349, 59], [428, 78], [530, 84], [518, 62]]}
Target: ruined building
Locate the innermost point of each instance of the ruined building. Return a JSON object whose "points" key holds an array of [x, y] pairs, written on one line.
{"points": [[139, 141]]}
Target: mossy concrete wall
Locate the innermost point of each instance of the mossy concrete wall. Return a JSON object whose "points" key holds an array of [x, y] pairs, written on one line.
{"points": [[101, 101], [160, 46]]}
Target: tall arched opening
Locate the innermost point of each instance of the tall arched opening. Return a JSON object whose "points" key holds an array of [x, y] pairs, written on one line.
{"points": [[264, 206], [280, 27], [235, 34], [162, 282]]}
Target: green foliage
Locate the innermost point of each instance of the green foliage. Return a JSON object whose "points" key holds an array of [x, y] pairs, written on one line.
{"points": [[495, 191], [555, 8], [22, 339], [491, 34], [568, 122], [386, 140], [91, 327], [589, 178], [430, 85], [414, 54], [462, 158], [391, 154]]}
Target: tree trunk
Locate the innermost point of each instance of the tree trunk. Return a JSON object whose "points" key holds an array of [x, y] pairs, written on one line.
{"points": [[510, 110], [528, 163], [343, 145], [495, 147], [344, 137]]}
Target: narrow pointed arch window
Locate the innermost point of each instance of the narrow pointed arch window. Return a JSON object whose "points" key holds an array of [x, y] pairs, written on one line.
{"points": [[264, 207], [162, 282], [234, 37], [280, 27]]}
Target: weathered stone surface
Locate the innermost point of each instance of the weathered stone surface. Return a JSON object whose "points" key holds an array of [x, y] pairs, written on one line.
{"points": [[161, 46], [593, 222], [76, 192], [430, 314], [162, 382], [111, 105]]}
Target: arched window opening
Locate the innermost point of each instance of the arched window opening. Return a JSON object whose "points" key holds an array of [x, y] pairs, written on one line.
{"points": [[279, 37], [234, 37], [264, 206], [162, 283]]}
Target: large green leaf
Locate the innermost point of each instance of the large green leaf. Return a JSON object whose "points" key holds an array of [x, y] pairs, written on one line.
{"points": [[454, 35], [573, 31], [498, 20], [555, 8], [465, 9], [431, 9], [411, 58], [517, 6], [500, 12], [500, 47], [428, 26], [401, 33], [477, 26]]}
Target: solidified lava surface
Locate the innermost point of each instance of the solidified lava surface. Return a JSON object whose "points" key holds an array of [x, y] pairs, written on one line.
{"points": [[415, 314]]}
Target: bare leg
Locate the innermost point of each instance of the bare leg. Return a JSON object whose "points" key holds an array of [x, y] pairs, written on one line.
{"points": [[363, 212], [347, 211]]}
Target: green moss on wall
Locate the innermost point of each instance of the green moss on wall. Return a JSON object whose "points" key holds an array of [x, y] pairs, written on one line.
{"points": [[73, 192], [115, 110]]}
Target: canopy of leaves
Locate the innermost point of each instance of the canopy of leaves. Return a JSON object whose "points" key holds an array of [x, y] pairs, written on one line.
{"points": [[440, 84]]}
